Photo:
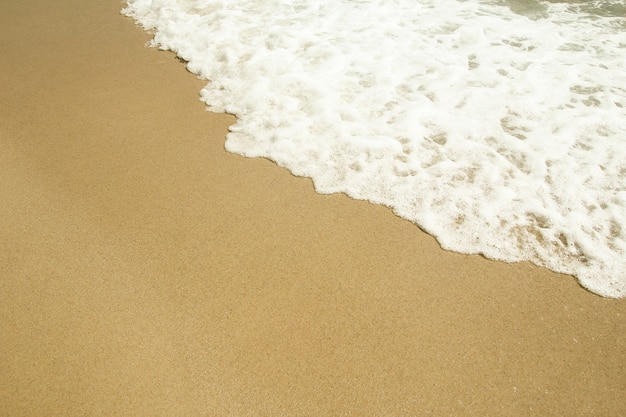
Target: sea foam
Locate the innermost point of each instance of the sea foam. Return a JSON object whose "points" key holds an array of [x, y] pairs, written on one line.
{"points": [[499, 127]]}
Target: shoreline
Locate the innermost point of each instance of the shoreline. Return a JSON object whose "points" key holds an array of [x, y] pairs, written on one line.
{"points": [[146, 271]]}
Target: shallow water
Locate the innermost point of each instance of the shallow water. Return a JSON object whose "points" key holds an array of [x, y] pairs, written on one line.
{"points": [[497, 126]]}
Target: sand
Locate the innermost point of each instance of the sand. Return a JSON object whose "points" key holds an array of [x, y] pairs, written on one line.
{"points": [[144, 271]]}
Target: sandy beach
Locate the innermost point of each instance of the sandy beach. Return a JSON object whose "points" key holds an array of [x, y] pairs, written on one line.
{"points": [[145, 271]]}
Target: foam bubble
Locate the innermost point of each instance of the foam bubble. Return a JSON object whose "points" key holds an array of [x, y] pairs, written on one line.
{"points": [[497, 126]]}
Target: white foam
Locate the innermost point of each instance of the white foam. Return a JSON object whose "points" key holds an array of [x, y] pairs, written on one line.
{"points": [[497, 126]]}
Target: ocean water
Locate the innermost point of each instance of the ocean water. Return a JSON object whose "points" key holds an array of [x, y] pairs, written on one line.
{"points": [[497, 126]]}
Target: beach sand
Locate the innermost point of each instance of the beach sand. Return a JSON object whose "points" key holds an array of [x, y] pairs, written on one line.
{"points": [[144, 271]]}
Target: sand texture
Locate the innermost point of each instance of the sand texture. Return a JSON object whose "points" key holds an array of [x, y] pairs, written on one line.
{"points": [[144, 271]]}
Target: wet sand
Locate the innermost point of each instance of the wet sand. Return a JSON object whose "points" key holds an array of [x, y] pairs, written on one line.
{"points": [[144, 271]]}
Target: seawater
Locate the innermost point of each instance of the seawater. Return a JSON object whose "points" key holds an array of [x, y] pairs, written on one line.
{"points": [[499, 127]]}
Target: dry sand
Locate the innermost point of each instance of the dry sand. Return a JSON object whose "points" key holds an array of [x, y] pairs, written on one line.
{"points": [[145, 271]]}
